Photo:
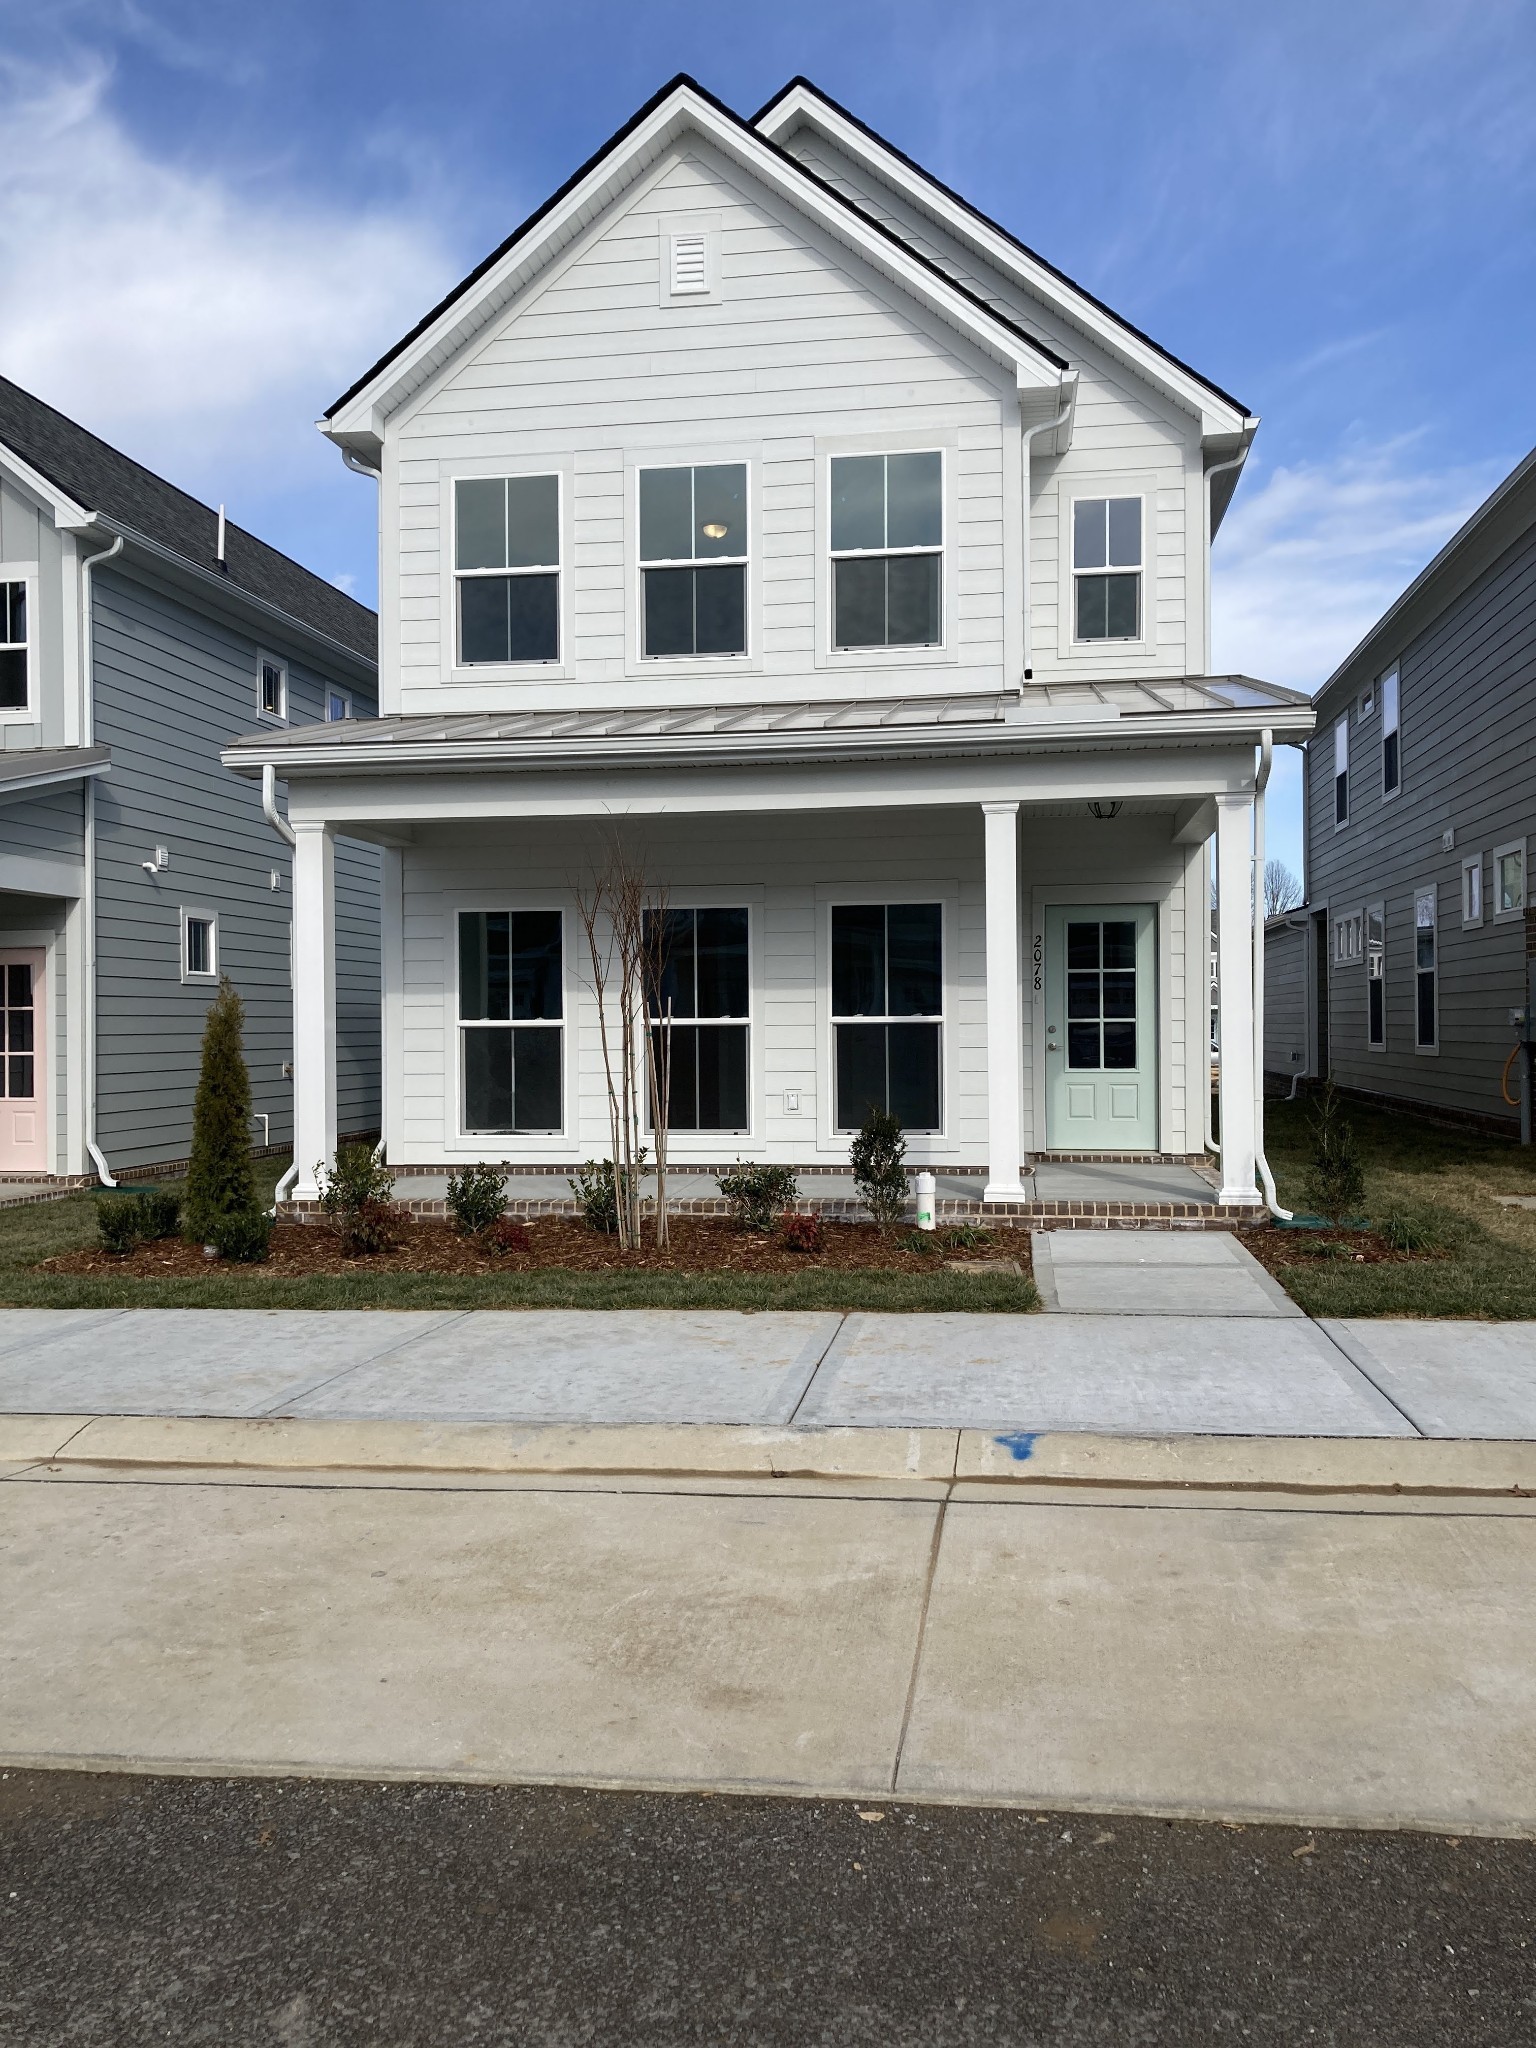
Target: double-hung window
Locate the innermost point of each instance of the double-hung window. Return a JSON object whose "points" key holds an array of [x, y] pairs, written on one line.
{"points": [[511, 1010], [1426, 971], [887, 534], [271, 687], [1509, 879], [338, 706], [1341, 771], [693, 559], [1376, 976], [507, 568], [1106, 568], [1391, 737], [13, 646], [199, 945], [887, 1012], [697, 989]]}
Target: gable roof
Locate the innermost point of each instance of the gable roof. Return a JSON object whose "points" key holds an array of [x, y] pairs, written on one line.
{"points": [[101, 479], [801, 97], [682, 103]]}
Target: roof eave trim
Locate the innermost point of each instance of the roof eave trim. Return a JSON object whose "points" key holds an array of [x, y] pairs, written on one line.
{"points": [[99, 763], [67, 513]]}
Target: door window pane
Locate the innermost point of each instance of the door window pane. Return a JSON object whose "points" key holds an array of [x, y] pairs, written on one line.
{"points": [[1101, 993], [18, 1068]]}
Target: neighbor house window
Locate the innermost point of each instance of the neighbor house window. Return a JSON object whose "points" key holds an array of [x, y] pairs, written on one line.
{"points": [[1348, 939], [506, 561], [1391, 739], [1106, 568], [13, 647], [887, 536], [1341, 772], [1472, 890], [199, 945], [1426, 972], [272, 687], [1376, 976], [693, 559], [697, 989], [338, 705], [1509, 879], [887, 1011], [511, 1010]]}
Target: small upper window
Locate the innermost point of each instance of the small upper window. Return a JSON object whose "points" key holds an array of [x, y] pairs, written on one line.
{"points": [[13, 646], [1472, 890], [1341, 771], [338, 705], [507, 568], [1106, 568], [887, 532], [199, 945], [693, 554], [1509, 879], [1391, 751], [1348, 939], [272, 688]]}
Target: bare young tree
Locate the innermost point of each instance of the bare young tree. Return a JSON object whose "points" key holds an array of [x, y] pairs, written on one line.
{"points": [[1282, 891]]}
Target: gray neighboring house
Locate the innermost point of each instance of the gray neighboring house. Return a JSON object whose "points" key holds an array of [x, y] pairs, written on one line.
{"points": [[1399, 974], [139, 634]]}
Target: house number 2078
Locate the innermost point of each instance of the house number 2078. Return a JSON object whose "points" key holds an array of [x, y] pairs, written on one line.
{"points": [[1039, 960]]}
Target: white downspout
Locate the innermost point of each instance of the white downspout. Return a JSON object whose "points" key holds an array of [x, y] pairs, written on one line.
{"points": [[1260, 783], [284, 830], [1217, 469], [1029, 433], [88, 881]]}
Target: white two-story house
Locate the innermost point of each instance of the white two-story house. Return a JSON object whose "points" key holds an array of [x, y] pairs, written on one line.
{"points": [[762, 502]]}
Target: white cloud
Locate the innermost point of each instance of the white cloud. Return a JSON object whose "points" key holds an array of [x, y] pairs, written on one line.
{"points": [[1311, 555], [190, 313]]}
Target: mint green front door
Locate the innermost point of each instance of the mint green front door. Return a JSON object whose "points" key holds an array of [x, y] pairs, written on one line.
{"points": [[1100, 1027]]}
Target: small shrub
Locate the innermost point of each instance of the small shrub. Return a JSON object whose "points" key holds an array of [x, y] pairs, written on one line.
{"points": [[476, 1195], [121, 1223], [964, 1237], [758, 1193], [1407, 1232], [596, 1189], [245, 1237], [1335, 1181], [876, 1156], [507, 1235], [801, 1233], [355, 1195], [161, 1213]]}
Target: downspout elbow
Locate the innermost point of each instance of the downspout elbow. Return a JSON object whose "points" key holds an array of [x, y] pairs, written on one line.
{"points": [[269, 810]]}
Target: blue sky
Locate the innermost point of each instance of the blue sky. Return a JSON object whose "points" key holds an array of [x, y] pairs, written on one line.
{"points": [[213, 216]]}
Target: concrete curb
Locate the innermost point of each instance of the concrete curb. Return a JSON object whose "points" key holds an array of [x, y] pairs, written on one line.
{"points": [[937, 1457]]}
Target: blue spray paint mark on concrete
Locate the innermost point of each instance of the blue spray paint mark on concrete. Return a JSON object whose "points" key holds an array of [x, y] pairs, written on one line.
{"points": [[1021, 1444]]}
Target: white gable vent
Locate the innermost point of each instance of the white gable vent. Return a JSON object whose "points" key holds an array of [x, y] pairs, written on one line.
{"points": [[690, 264]]}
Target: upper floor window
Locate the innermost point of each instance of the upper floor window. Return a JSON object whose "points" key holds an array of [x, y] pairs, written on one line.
{"points": [[1341, 771], [888, 1011], [1106, 568], [1376, 976], [338, 705], [887, 533], [693, 559], [1348, 939], [1426, 971], [697, 996], [1509, 879], [1472, 890], [272, 687], [506, 558], [13, 646], [1391, 752]]}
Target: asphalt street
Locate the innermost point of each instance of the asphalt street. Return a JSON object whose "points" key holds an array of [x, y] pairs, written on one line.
{"points": [[269, 1913]]}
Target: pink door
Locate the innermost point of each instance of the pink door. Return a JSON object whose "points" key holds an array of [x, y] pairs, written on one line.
{"points": [[23, 1125]]}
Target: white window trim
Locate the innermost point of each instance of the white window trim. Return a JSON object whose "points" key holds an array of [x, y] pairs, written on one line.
{"points": [[334, 690], [1347, 943], [706, 1144], [1140, 641], [672, 228], [912, 442], [908, 653], [1376, 971], [1431, 890], [642, 664], [844, 896], [188, 913], [1391, 726], [475, 671], [494, 679], [1473, 866], [265, 661], [1340, 768], [1498, 916], [28, 573], [476, 1144]]}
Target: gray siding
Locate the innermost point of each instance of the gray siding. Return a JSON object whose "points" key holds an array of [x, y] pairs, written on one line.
{"points": [[1285, 998], [1468, 726], [172, 687]]}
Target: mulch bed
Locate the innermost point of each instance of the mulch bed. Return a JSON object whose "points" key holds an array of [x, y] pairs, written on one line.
{"points": [[1276, 1249], [699, 1244]]}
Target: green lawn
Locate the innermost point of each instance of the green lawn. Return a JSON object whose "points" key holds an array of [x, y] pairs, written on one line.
{"points": [[37, 1232], [1446, 1179]]}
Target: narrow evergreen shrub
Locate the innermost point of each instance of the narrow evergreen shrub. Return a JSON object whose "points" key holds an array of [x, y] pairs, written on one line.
{"points": [[356, 1197], [876, 1156], [245, 1236], [476, 1195], [1335, 1181], [219, 1179], [758, 1193]]}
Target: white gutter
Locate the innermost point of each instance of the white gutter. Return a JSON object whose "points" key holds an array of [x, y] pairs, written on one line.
{"points": [[1260, 783], [88, 880], [1041, 427], [284, 830]]}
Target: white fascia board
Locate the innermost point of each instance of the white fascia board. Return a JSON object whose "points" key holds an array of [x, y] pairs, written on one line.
{"points": [[361, 418], [65, 512], [1215, 415]]}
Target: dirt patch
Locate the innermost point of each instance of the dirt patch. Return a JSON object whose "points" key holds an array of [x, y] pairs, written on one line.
{"points": [[699, 1245], [1278, 1249]]}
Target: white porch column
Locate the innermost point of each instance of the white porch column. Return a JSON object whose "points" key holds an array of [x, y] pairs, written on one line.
{"points": [[1004, 1052], [1234, 960], [314, 1004]]}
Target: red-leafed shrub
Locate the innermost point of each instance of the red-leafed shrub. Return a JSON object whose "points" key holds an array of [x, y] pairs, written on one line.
{"points": [[507, 1235], [801, 1233]]}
